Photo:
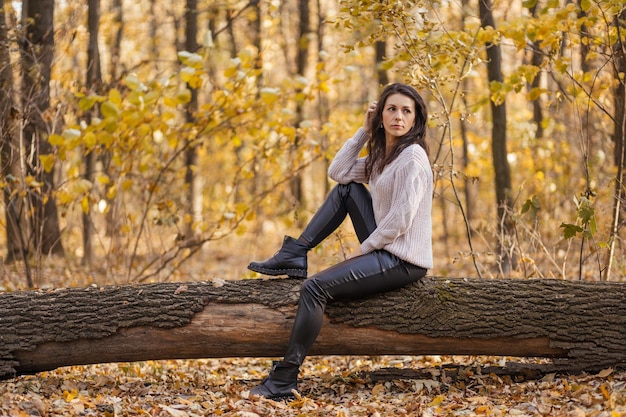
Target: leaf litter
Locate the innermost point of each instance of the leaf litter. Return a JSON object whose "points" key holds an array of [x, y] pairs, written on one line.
{"points": [[329, 386]]}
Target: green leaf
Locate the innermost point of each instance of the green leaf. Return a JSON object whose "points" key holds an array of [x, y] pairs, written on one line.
{"points": [[570, 230], [56, 140], [585, 5], [109, 109], [529, 4], [86, 103], [532, 205]]}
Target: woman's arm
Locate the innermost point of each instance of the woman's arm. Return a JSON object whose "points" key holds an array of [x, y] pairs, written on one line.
{"points": [[410, 184], [347, 166]]}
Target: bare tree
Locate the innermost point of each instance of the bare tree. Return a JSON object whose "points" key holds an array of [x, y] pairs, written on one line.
{"points": [[116, 46], [37, 50], [619, 133], [381, 51], [9, 155], [498, 144], [536, 60], [93, 83], [191, 154]]}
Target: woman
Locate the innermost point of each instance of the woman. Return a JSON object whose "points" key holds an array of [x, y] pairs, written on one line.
{"points": [[392, 221]]}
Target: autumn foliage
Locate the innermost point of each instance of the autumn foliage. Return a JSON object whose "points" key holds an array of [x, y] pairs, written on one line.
{"points": [[166, 141], [230, 141]]}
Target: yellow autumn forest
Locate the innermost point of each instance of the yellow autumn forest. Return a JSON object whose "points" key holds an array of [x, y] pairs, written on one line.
{"points": [[180, 145]]}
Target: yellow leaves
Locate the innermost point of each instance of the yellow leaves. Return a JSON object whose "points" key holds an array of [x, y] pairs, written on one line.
{"points": [[111, 192], [127, 184], [170, 101], [47, 162], [270, 95], [498, 91], [110, 109], [103, 179], [488, 35], [80, 186], [191, 60], [86, 103], [437, 401], [71, 134], [90, 140], [535, 93], [76, 189], [231, 71], [187, 74], [56, 140], [84, 204], [328, 387], [183, 96], [288, 131], [68, 396], [132, 82]]}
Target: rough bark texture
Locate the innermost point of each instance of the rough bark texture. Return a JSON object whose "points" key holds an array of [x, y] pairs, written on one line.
{"points": [[37, 50], [499, 151], [582, 325]]}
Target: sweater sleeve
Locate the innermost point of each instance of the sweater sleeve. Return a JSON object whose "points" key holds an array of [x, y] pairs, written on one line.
{"points": [[409, 185], [347, 166]]}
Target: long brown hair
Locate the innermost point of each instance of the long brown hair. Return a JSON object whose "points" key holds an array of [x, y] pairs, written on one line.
{"points": [[377, 159]]}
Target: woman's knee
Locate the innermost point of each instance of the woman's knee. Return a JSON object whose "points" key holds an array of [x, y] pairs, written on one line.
{"points": [[311, 291], [351, 188]]}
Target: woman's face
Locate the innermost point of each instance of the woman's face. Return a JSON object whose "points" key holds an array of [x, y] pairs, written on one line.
{"points": [[398, 116]]}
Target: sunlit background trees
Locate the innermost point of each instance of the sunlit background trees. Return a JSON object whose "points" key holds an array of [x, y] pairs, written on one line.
{"points": [[157, 140]]}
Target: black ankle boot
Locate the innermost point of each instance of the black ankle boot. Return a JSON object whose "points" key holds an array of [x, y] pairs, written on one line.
{"points": [[290, 260], [283, 378]]}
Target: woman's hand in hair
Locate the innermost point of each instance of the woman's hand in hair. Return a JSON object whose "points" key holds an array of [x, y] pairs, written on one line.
{"points": [[367, 125]]}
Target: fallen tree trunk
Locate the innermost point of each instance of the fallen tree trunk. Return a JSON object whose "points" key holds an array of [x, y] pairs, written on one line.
{"points": [[581, 325]]}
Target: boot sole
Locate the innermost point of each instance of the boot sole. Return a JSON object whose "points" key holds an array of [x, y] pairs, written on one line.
{"points": [[295, 273], [284, 397]]}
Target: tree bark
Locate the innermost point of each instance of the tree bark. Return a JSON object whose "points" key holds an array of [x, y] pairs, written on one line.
{"points": [[581, 325], [117, 12], [302, 64], [381, 53], [191, 153], [37, 50], [498, 146], [10, 154], [619, 137], [93, 83]]}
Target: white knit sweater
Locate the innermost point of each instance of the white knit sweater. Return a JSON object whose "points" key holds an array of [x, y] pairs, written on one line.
{"points": [[401, 198]]}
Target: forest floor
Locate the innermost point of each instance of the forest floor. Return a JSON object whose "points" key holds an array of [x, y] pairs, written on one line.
{"points": [[336, 386], [329, 386]]}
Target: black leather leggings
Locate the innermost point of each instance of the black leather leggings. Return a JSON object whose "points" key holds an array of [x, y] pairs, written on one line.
{"points": [[358, 277]]}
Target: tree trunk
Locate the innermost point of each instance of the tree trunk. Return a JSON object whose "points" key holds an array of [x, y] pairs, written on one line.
{"points": [[381, 52], [470, 188], [191, 153], [93, 83], [115, 47], [9, 153], [579, 324], [619, 137], [323, 105], [302, 63], [536, 61], [37, 51], [498, 146]]}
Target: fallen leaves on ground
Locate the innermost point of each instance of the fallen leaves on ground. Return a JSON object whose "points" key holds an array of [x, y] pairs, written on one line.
{"points": [[330, 386]]}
